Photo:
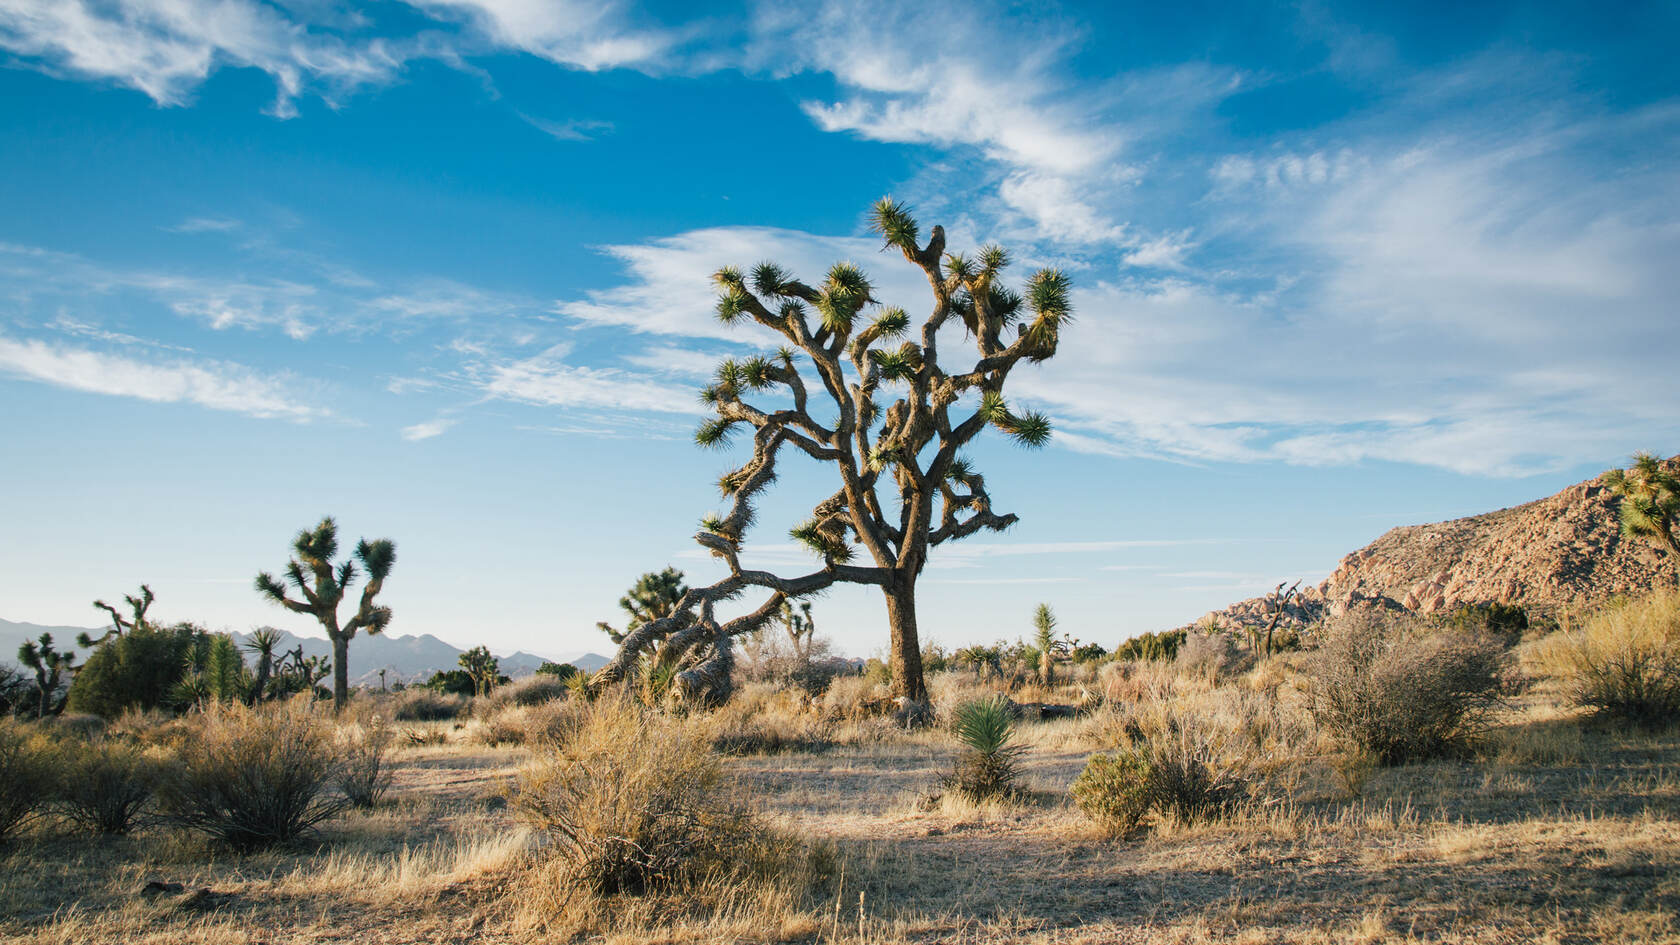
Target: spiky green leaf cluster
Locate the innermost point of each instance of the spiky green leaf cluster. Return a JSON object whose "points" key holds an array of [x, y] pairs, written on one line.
{"points": [[714, 433], [893, 221], [844, 294], [811, 534], [892, 323], [769, 279]]}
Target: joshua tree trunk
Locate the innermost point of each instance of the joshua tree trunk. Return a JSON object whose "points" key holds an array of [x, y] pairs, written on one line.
{"points": [[906, 644], [341, 670]]}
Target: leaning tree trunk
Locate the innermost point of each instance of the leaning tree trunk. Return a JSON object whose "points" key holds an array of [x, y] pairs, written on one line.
{"points": [[906, 654], [341, 671]]}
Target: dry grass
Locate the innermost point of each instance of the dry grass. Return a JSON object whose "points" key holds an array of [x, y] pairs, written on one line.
{"points": [[1556, 831]]}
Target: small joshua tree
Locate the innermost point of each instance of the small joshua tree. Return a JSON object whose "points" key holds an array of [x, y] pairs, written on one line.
{"points": [[137, 620], [801, 628], [848, 351], [49, 665], [1650, 496], [654, 595], [482, 667], [323, 585]]}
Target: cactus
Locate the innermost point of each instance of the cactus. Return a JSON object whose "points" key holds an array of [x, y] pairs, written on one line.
{"points": [[1650, 493]]}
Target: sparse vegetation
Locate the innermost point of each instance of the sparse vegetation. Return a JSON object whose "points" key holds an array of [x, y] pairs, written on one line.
{"points": [[1624, 662], [1397, 690], [364, 772], [28, 775], [252, 778], [104, 785], [632, 806]]}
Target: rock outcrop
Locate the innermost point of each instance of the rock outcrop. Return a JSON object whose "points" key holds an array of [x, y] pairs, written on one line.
{"points": [[1561, 554]]}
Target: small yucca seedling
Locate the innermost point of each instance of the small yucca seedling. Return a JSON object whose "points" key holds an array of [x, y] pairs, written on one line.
{"points": [[988, 765]]}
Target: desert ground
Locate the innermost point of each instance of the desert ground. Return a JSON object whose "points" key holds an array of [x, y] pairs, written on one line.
{"points": [[1556, 827]]}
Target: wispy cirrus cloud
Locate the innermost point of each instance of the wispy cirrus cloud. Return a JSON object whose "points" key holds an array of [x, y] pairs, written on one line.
{"points": [[215, 385]]}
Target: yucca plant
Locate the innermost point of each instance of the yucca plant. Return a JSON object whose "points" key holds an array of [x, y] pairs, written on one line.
{"points": [[1650, 493], [989, 763]]}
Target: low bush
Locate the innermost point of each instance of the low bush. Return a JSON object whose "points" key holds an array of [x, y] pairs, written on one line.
{"points": [[989, 762], [1193, 774], [417, 704], [1206, 657], [104, 785], [1114, 789], [363, 774], [28, 775], [254, 777], [1624, 662], [535, 689], [635, 801], [1388, 687]]}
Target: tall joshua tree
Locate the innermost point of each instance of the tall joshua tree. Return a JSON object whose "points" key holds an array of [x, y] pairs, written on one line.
{"points": [[1650, 501], [852, 355], [323, 584]]}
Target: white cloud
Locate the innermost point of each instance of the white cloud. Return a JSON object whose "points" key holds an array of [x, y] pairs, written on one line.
{"points": [[548, 380], [575, 129], [212, 384], [165, 48], [205, 225], [670, 290], [587, 36], [428, 429]]}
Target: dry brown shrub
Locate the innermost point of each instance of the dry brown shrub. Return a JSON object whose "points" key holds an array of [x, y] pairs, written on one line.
{"points": [[636, 801], [645, 832], [535, 689], [1624, 661], [427, 705], [854, 698], [254, 777], [105, 784], [762, 719], [1389, 687], [363, 772], [28, 775]]}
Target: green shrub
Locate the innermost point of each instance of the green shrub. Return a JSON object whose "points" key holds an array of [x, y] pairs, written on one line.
{"points": [[634, 801], [1114, 789], [137, 670], [28, 775], [1625, 661], [1385, 686], [254, 777], [1506, 620], [1151, 646], [989, 763], [561, 671], [105, 784]]}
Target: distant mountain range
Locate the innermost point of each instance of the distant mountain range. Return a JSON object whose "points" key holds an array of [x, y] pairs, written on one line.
{"points": [[404, 658]]}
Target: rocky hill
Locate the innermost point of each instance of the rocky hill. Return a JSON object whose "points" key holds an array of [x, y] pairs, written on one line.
{"points": [[1556, 555]]}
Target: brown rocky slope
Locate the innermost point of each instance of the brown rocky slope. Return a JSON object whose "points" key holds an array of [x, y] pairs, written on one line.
{"points": [[1557, 555]]}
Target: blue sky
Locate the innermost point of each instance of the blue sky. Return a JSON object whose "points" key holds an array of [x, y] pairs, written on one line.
{"points": [[440, 269]]}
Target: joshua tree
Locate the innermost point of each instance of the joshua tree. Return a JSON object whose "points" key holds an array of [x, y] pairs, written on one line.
{"points": [[262, 642], [654, 595], [482, 667], [119, 626], [324, 584], [1278, 600], [801, 628], [1045, 642], [850, 352], [49, 665], [1650, 501]]}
